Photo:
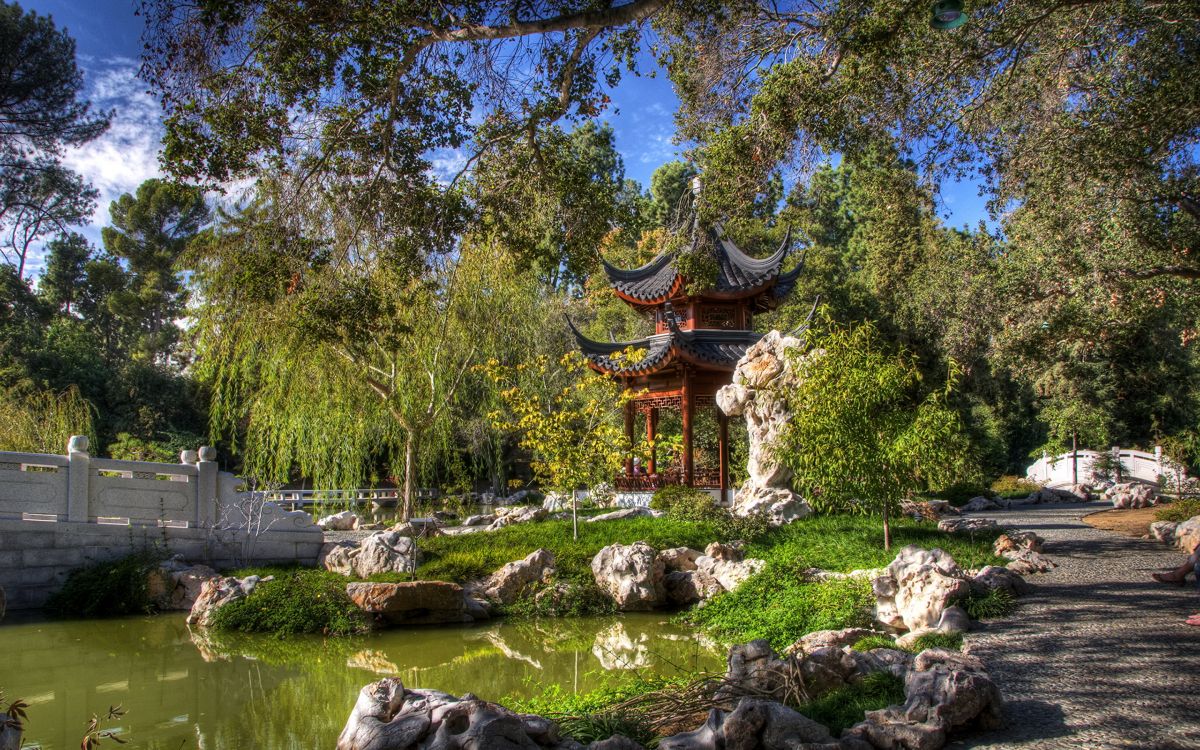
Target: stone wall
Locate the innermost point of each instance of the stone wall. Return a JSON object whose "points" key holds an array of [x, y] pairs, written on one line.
{"points": [[35, 558]]}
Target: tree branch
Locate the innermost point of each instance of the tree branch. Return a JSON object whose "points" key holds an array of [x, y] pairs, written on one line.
{"points": [[620, 15]]}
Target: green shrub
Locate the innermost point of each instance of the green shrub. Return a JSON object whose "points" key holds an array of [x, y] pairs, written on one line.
{"points": [[874, 641], [1011, 487], [686, 503], [748, 528], [297, 601], [109, 589], [845, 707], [1179, 510], [586, 717], [576, 597], [992, 603], [962, 492], [936, 640]]}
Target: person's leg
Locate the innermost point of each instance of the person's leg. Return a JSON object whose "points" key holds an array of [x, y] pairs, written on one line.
{"points": [[1179, 575]]}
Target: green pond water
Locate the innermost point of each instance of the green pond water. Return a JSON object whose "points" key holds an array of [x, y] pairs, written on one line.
{"points": [[184, 689]]}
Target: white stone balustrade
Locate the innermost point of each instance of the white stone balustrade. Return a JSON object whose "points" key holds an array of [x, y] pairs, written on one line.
{"points": [[60, 512]]}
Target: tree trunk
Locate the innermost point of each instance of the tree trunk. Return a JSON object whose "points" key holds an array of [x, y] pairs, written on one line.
{"points": [[887, 529], [574, 516], [410, 473], [1074, 459]]}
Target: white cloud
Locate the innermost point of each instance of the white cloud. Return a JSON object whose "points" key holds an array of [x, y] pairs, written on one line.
{"points": [[446, 163], [127, 154]]}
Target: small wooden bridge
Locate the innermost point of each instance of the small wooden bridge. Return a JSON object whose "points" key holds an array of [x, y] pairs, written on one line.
{"points": [[1119, 464]]}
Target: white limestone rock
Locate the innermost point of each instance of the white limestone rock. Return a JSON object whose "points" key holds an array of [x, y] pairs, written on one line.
{"points": [[1163, 531], [382, 552], [522, 514], [678, 558], [618, 515], [631, 574], [918, 587], [215, 593], [980, 504], [174, 585], [1187, 534], [1131, 495], [762, 375], [516, 578], [996, 577], [345, 521], [966, 525]]}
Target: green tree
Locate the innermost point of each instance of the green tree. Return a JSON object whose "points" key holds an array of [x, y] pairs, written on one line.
{"points": [[40, 115], [861, 435], [66, 259], [42, 421], [148, 236], [566, 418], [330, 356]]}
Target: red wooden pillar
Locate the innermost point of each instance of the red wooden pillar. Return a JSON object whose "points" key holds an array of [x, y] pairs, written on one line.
{"points": [[651, 435], [723, 452], [629, 438], [686, 408]]}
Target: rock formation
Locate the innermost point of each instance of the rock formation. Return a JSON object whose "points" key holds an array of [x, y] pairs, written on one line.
{"points": [[513, 580], [1131, 495], [389, 717], [631, 574], [174, 585], [216, 593], [411, 603], [1187, 534], [382, 552], [345, 521], [762, 376]]}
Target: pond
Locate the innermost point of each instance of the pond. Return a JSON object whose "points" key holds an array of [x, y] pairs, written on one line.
{"points": [[184, 689]]}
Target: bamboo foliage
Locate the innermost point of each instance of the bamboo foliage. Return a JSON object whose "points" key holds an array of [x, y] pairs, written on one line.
{"points": [[43, 421]]}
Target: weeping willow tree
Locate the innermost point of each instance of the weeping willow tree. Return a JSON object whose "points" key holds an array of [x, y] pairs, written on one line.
{"points": [[43, 421], [332, 348]]}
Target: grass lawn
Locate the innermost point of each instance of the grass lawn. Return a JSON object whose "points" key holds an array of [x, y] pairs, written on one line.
{"points": [[780, 606]]}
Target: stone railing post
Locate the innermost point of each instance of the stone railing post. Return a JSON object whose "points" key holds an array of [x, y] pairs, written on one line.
{"points": [[206, 488], [78, 479]]}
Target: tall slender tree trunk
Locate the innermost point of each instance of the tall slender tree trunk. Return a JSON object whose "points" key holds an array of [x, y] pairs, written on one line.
{"points": [[410, 473], [887, 529]]}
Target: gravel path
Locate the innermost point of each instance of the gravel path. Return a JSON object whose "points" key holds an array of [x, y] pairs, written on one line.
{"points": [[1098, 655]]}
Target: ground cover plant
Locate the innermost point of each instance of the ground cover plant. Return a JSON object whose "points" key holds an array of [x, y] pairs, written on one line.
{"points": [[464, 558], [843, 708], [297, 601]]}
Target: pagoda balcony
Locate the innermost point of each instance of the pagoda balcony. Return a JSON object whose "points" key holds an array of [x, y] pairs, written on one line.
{"points": [[702, 478]]}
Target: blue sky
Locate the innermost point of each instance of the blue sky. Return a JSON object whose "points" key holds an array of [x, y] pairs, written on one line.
{"points": [[108, 39]]}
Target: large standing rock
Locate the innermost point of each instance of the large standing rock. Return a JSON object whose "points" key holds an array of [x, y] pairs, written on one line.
{"points": [[1187, 534], [632, 575], [382, 552], [1131, 495], [411, 603], [215, 593], [917, 588], [508, 583], [761, 378], [345, 521]]}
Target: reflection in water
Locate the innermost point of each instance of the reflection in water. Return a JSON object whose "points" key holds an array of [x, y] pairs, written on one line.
{"points": [[188, 689]]}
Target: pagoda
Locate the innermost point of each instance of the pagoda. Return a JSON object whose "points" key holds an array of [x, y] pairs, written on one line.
{"points": [[699, 336]]}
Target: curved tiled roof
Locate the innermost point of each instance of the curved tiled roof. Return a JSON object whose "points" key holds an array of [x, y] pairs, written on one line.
{"points": [[712, 347], [737, 272]]}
